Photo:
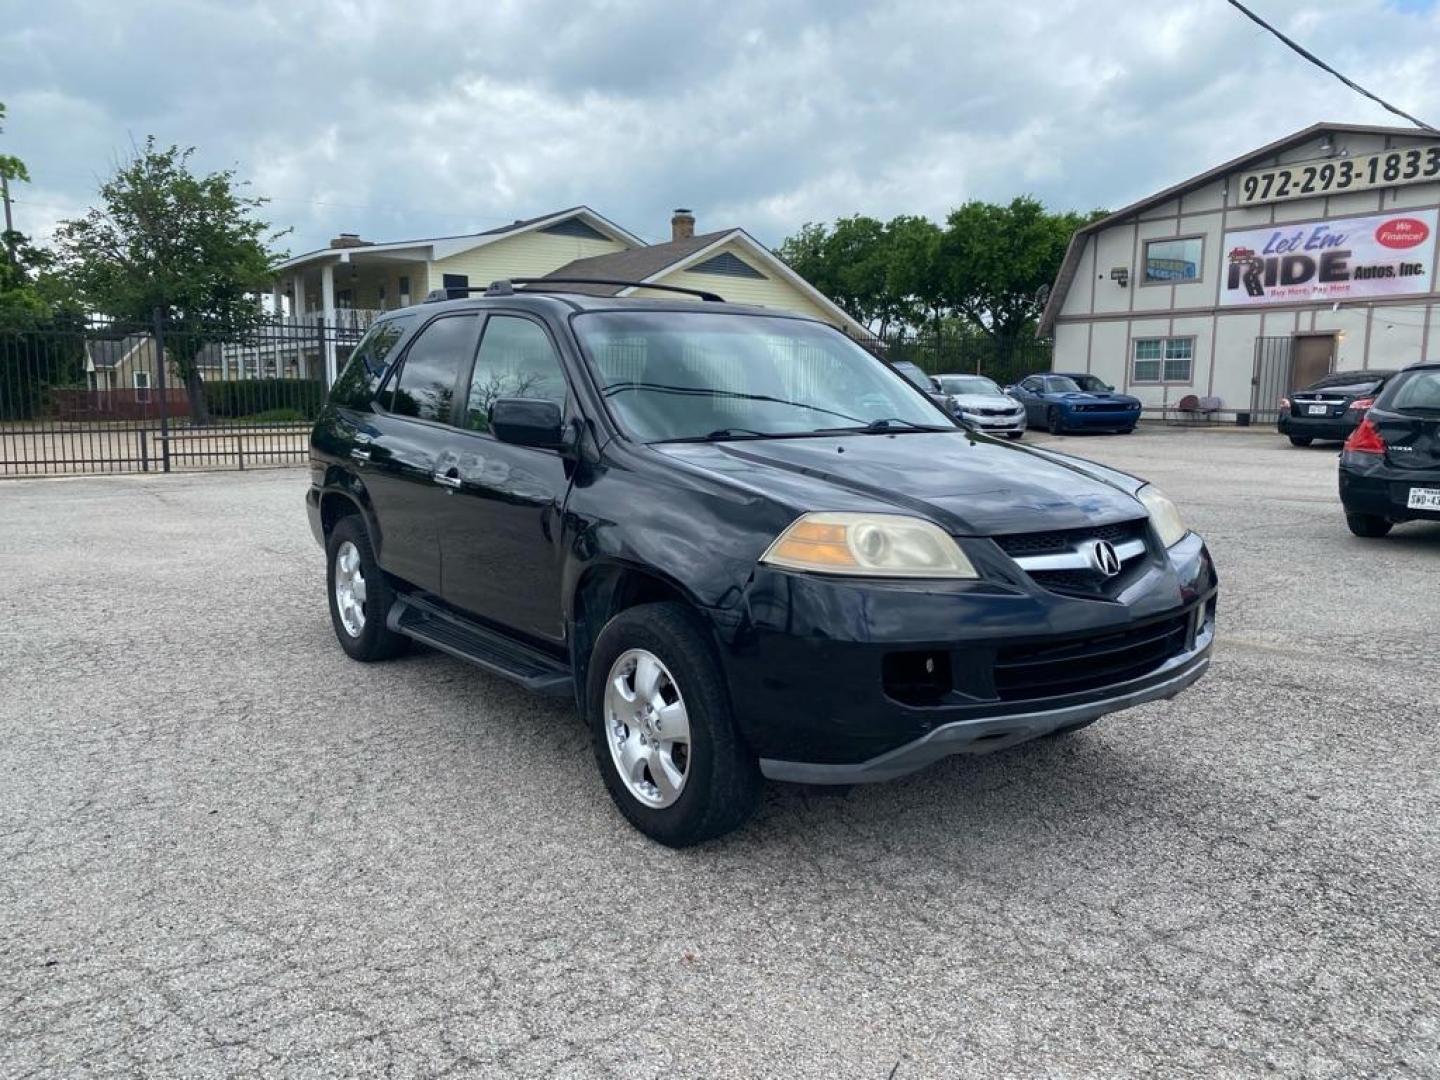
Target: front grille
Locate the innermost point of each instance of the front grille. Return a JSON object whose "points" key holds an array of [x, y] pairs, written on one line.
{"points": [[1053, 669], [1055, 543], [996, 412]]}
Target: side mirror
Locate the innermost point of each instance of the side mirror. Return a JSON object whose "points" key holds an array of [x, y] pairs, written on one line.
{"points": [[528, 422]]}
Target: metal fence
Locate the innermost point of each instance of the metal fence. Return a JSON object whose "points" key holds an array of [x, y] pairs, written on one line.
{"points": [[1005, 360], [1274, 373], [92, 396]]}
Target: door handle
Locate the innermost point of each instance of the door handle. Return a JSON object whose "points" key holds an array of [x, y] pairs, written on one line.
{"points": [[360, 455], [448, 480]]}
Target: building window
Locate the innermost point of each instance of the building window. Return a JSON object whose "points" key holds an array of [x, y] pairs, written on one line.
{"points": [[1163, 360], [141, 380], [404, 290], [1169, 261]]}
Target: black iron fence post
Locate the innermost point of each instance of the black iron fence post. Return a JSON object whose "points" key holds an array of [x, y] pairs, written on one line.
{"points": [[160, 383]]}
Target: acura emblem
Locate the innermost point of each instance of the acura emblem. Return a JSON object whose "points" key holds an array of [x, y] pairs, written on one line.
{"points": [[1107, 559]]}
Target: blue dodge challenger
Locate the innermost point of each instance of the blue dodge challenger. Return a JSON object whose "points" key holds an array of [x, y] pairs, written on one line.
{"points": [[1075, 402]]}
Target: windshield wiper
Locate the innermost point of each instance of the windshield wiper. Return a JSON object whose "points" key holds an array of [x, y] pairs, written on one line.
{"points": [[724, 433], [706, 391], [890, 423]]}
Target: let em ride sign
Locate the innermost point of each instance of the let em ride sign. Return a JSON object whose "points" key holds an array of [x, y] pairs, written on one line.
{"points": [[1343, 259]]}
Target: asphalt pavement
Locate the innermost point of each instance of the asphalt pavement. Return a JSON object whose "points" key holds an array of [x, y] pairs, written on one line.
{"points": [[226, 849]]}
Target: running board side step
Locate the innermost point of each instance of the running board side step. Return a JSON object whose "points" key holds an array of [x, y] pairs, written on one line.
{"points": [[440, 629]]}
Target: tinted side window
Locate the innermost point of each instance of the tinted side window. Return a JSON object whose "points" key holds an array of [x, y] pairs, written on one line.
{"points": [[516, 359], [356, 385], [1417, 392], [426, 388]]}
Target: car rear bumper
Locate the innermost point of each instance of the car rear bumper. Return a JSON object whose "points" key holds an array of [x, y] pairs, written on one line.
{"points": [[845, 681], [1336, 428], [1370, 486]]}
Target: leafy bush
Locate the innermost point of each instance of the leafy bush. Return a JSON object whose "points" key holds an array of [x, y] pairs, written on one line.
{"points": [[298, 399]]}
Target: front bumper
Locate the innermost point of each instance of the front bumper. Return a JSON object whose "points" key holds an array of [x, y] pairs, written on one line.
{"points": [[993, 425], [1368, 485], [983, 735], [822, 671], [1110, 419], [312, 511]]}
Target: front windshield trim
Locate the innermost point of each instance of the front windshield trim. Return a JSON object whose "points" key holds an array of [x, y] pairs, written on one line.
{"points": [[605, 397]]}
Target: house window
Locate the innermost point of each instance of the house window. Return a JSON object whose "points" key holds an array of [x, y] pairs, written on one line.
{"points": [[1163, 360], [380, 297], [141, 379], [344, 298], [457, 282], [404, 290], [1169, 261]]}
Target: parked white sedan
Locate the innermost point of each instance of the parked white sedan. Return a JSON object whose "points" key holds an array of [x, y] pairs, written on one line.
{"points": [[980, 404]]}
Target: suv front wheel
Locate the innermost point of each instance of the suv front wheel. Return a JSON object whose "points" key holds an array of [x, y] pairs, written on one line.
{"points": [[662, 730], [360, 597]]}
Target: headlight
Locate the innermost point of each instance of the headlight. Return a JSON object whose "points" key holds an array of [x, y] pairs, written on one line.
{"points": [[869, 545], [1163, 515]]}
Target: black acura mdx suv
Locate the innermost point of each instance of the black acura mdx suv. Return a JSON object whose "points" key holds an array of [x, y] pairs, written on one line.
{"points": [[747, 547]]}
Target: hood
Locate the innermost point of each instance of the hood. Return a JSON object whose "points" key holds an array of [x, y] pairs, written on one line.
{"points": [[985, 401], [969, 485]]}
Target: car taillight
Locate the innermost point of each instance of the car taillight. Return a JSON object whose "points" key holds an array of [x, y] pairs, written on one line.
{"points": [[1361, 404], [1365, 440]]}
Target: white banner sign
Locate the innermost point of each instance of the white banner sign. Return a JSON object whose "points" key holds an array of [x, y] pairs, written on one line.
{"points": [[1341, 259]]}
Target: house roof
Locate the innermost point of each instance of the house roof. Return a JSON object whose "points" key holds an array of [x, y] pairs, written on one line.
{"points": [[652, 263], [441, 247], [636, 264], [103, 353], [1071, 262]]}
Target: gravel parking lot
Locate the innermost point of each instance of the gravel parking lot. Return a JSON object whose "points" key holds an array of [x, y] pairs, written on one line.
{"points": [[227, 849]]}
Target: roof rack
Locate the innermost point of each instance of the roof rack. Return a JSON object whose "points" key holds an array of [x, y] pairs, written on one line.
{"points": [[506, 287]]}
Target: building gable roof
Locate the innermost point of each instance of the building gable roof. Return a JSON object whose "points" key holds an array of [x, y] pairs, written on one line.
{"points": [[442, 247], [652, 264], [108, 353], [1070, 264]]}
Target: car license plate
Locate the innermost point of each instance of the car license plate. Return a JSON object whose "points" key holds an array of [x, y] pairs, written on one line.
{"points": [[1423, 499], [1317, 410]]}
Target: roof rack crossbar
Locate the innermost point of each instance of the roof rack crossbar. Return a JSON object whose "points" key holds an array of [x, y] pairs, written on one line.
{"points": [[506, 287]]}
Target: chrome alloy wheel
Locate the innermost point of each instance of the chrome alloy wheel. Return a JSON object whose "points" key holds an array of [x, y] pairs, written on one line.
{"points": [[350, 589], [647, 728]]}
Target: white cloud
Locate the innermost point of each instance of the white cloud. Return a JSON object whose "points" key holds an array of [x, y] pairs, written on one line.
{"points": [[433, 118]]}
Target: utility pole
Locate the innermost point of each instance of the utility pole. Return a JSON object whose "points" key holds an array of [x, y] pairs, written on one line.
{"points": [[9, 221]]}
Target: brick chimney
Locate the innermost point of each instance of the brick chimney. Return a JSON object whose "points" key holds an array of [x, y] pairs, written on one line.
{"points": [[682, 225], [349, 240]]}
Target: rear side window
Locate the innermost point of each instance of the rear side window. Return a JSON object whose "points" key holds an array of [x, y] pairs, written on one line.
{"points": [[1417, 391], [356, 386], [516, 360], [426, 387]]}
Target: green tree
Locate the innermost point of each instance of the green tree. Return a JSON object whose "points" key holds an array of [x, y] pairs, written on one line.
{"points": [[167, 239], [996, 260]]}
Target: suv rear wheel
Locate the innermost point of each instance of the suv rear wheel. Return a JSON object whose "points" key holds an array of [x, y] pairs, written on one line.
{"points": [[360, 597], [1300, 440], [662, 730]]}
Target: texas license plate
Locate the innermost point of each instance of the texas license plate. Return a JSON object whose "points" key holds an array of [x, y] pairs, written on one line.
{"points": [[1423, 499], [1317, 410]]}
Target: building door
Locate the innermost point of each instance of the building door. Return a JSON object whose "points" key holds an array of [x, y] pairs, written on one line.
{"points": [[1314, 358]]}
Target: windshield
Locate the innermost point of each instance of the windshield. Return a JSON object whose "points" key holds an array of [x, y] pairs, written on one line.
{"points": [[1092, 383], [1060, 384], [696, 375], [968, 384]]}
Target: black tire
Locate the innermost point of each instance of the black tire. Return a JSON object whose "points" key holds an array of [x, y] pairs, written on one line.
{"points": [[1369, 526], [1014, 434], [722, 778], [375, 641], [1054, 422], [1128, 430], [1300, 440]]}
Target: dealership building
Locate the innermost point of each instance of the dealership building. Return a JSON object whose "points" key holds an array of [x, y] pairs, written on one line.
{"points": [[1315, 253]]}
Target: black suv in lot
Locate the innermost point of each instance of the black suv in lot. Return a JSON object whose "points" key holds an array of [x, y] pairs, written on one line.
{"points": [[1390, 466], [747, 547]]}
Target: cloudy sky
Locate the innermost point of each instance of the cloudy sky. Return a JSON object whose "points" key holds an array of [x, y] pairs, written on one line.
{"points": [[417, 119]]}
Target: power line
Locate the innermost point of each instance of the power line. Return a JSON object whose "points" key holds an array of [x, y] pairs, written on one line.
{"points": [[1308, 55]]}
